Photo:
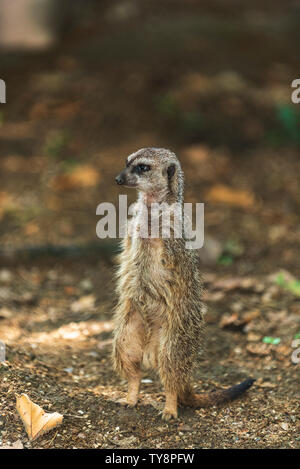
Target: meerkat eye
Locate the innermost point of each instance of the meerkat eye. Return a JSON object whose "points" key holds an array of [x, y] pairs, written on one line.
{"points": [[141, 168]]}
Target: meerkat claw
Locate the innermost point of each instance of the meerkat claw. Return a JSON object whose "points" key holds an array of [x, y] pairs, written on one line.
{"points": [[167, 415]]}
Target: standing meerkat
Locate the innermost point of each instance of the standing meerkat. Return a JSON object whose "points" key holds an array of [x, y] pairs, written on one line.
{"points": [[159, 318]]}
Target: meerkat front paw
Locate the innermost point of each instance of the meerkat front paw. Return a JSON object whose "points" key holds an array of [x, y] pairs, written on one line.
{"points": [[168, 414]]}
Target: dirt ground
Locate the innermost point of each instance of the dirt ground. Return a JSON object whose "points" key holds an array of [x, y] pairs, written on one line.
{"points": [[75, 114], [57, 323]]}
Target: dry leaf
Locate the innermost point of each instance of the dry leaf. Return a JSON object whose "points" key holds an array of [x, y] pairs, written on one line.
{"points": [[258, 349], [253, 337], [250, 315], [231, 196], [7, 202], [213, 296], [267, 385], [234, 321], [5, 313], [31, 228], [35, 419], [229, 320], [81, 176], [235, 283], [196, 153], [283, 350]]}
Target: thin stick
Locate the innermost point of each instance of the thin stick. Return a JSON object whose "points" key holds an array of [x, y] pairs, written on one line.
{"points": [[53, 438], [75, 416]]}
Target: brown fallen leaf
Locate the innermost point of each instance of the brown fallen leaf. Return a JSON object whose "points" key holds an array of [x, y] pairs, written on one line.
{"points": [[234, 321], [265, 384], [213, 296], [235, 283], [197, 153], [31, 228], [81, 176], [250, 315], [5, 313], [258, 349], [253, 337], [7, 202], [228, 320], [231, 196], [35, 419]]}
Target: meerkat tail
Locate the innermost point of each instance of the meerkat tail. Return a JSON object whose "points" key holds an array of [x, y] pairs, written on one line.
{"points": [[191, 399]]}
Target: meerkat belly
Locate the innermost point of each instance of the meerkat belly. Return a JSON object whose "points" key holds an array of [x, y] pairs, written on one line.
{"points": [[148, 274], [151, 350], [146, 284]]}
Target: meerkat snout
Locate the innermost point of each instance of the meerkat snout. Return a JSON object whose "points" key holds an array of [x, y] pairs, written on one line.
{"points": [[119, 179]]}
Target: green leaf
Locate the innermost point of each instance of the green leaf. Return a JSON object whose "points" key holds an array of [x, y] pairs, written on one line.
{"points": [[225, 259], [280, 280], [271, 340], [294, 287]]}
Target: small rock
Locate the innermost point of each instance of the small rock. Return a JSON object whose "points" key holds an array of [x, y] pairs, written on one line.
{"points": [[5, 276], [84, 303], [5, 293], [258, 349], [16, 445], [86, 285], [284, 426]]}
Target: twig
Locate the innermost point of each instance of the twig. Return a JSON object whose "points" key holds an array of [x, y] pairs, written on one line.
{"points": [[52, 439], [75, 416]]}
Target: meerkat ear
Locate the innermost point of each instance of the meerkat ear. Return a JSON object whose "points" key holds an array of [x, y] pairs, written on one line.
{"points": [[171, 171]]}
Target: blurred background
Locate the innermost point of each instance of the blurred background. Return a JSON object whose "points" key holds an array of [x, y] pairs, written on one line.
{"points": [[89, 82]]}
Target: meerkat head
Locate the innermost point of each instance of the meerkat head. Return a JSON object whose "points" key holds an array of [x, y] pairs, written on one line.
{"points": [[156, 172]]}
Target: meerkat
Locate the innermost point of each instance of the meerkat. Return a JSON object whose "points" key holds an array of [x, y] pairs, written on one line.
{"points": [[159, 319]]}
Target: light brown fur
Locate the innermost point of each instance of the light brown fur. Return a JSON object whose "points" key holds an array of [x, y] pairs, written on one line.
{"points": [[159, 318]]}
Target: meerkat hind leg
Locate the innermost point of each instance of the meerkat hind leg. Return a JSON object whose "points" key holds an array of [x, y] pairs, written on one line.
{"points": [[133, 391], [170, 410], [129, 354]]}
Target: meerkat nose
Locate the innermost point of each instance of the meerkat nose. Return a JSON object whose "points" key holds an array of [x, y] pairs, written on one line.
{"points": [[120, 179]]}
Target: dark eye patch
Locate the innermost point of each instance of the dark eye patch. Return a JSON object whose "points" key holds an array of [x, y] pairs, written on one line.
{"points": [[141, 168]]}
